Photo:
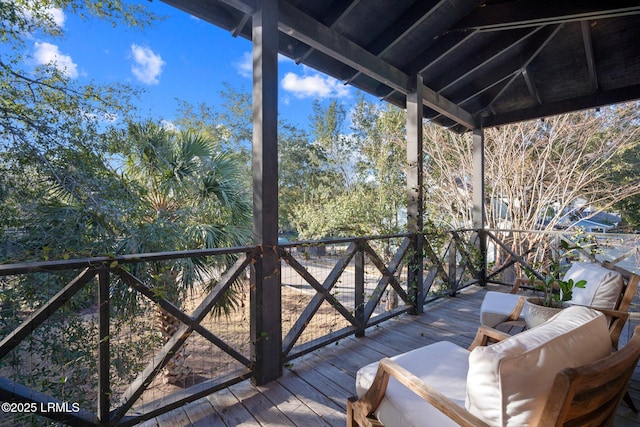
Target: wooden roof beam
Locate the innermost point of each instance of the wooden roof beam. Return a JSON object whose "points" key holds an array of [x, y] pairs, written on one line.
{"points": [[594, 100], [500, 48], [244, 6], [309, 31], [336, 16], [552, 32], [588, 50], [508, 72], [447, 108], [436, 53], [533, 91], [409, 20], [527, 13], [433, 55]]}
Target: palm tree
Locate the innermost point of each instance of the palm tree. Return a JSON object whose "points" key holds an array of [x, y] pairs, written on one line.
{"points": [[190, 197]]}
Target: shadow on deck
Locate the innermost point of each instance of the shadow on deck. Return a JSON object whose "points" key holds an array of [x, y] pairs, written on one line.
{"points": [[314, 388]]}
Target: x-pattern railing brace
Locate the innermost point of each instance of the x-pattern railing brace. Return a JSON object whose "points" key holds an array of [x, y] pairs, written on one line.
{"points": [[387, 276], [323, 294], [190, 324]]}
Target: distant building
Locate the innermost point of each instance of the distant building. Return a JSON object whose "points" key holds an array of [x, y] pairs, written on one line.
{"points": [[599, 222]]}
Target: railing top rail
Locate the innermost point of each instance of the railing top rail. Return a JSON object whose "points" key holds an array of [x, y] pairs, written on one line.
{"points": [[94, 262], [338, 240], [72, 264], [558, 232]]}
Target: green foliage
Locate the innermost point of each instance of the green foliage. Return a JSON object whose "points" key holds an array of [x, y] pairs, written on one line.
{"points": [[329, 139], [190, 196], [43, 108], [356, 186], [230, 128], [56, 179], [176, 191], [73, 184], [624, 165], [360, 212], [301, 177], [556, 290]]}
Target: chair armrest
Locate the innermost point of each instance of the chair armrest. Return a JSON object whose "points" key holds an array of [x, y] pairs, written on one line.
{"points": [[517, 283], [486, 335], [362, 410], [617, 320]]}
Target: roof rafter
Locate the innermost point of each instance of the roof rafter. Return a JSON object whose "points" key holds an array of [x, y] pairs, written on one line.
{"points": [[473, 92], [434, 54], [469, 73], [409, 20], [502, 16], [336, 16], [309, 31], [507, 73], [533, 91], [499, 49], [551, 32], [580, 103], [588, 50]]}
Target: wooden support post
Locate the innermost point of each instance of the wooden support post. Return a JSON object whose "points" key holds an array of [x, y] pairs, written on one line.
{"points": [[479, 200], [453, 267], [266, 324], [414, 194], [359, 289], [104, 360]]}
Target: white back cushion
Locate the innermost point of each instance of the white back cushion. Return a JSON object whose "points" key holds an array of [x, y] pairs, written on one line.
{"points": [[603, 285], [508, 382]]}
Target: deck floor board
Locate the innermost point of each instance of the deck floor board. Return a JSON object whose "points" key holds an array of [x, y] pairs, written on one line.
{"points": [[314, 387]]}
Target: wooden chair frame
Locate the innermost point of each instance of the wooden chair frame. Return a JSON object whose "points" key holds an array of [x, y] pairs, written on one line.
{"points": [[586, 396]]}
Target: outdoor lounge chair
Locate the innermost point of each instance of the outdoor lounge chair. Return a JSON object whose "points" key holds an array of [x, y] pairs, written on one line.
{"points": [[559, 373], [607, 288]]}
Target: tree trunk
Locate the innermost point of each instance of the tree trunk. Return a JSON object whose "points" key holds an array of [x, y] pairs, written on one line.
{"points": [[392, 300], [177, 370]]}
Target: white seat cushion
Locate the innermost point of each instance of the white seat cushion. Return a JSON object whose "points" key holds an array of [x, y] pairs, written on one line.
{"points": [[496, 307], [508, 382], [442, 365], [603, 286]]}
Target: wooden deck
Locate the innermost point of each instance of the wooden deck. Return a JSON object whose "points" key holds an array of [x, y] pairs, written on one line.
{"points": [[314, 389]]}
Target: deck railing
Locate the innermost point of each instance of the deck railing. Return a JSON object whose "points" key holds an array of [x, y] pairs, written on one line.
{"points": [[81, 341]]}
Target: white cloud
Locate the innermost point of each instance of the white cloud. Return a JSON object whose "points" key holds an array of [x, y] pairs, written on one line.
{"points": [[244, 65], [57, 16], [147, 65], [313, 86], [52, 17], [47, 53]]}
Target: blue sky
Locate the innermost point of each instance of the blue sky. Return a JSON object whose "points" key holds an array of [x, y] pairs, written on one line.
{"points": [[179, 57]]}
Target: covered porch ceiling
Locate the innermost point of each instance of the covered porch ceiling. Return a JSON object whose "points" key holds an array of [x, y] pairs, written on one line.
{"points": [[483, 62]]}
